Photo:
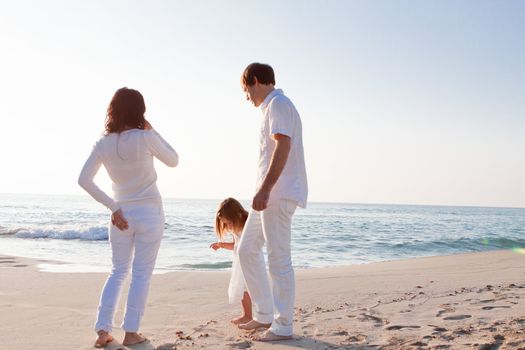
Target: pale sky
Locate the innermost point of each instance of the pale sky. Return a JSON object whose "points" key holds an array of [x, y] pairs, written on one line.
{"points": [[414, 102]]}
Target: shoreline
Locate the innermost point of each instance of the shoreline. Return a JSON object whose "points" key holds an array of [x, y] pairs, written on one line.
{"points": [[54, 264], [460, 301]]}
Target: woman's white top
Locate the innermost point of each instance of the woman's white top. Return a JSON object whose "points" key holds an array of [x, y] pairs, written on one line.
{"points": [[128, 159], [237, 284]]}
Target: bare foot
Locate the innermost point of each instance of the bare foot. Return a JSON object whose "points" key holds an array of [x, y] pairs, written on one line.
{"points": [[253, 325], [269, 336], [241, 320], [132, 338], [103, 339]]}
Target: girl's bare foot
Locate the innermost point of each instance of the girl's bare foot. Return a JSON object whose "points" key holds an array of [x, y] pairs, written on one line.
{"points": [[103, 339], [132, 338], [241, 319]]}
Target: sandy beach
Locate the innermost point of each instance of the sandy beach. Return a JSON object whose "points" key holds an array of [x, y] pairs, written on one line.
{"points": [[466, 301]]}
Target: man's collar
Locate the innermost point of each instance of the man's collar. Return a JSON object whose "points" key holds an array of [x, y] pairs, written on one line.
{"points": [[269, 97]]}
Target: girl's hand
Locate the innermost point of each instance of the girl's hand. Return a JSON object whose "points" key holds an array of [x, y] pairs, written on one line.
{"points": [[118, 219], [215, 245]]}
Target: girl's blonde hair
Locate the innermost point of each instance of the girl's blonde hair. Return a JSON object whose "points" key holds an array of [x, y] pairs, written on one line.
{"points": [[231, 210]]}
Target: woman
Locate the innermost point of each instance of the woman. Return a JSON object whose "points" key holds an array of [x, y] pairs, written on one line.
{"points": [[126, 150]]}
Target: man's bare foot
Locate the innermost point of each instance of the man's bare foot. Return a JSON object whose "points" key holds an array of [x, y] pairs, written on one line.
{"points": [[241, 320], [270, 336], [132, 338], [253, 325], [103, 339]]}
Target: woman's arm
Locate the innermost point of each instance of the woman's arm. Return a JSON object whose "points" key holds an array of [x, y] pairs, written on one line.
{"points": [[161, 149], [223, 245], [85, 180]]}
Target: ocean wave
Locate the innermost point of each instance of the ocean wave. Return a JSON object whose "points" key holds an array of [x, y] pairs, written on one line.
{"points": [[97, 233], [7, 231], [457, 244]]}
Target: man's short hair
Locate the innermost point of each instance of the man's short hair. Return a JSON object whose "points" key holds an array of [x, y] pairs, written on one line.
{"points": [[263, 73]]}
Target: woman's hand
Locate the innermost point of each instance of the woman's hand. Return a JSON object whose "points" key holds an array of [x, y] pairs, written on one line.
{"points": [[118, 219], [147, 126], [215, 245]]}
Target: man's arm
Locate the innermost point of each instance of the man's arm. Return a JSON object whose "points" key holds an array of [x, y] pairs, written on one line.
{"points": [[277, 163]]}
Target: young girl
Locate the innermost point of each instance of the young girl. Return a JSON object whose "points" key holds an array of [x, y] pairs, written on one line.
{"points": [[231, 217]]}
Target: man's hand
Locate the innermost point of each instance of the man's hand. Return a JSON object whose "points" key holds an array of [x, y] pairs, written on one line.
{"points": [[118, 219], [283, 144], [215, 245], [260, 201]]}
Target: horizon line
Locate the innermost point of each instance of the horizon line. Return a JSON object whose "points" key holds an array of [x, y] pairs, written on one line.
{"points": [[313, 201]]}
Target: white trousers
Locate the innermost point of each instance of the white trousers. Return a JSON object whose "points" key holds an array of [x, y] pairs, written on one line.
{"points": [[134, 248], [272, 226]]}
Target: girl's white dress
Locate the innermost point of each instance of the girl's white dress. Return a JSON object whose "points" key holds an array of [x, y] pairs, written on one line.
{"points": [[237, 284]]}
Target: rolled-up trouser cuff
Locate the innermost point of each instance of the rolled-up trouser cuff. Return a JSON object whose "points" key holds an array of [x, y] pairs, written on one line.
{"points": [[263, 318], [281, 330]]}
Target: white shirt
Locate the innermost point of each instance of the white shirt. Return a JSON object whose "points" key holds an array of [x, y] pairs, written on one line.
{"points": [[128, 159], [281, 117]]}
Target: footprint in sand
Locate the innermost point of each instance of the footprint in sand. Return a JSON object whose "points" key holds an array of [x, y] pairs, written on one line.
{"points": [[477, 301], [457, 317], [246, 344], [354, 339], [419, 344], [463, 331], [438, 329], [398, 327], [498, 340], [340, 333], [308, 329], [377, 320], [446, 309], [494, 307]]}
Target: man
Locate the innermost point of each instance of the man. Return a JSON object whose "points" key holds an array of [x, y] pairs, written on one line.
{"points": [[281, 187]]}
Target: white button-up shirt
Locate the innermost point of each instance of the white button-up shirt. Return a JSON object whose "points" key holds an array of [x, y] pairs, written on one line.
{"points": [[281, 117]]}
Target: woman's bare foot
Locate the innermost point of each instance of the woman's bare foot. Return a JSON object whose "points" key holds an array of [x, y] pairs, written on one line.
{"points": [[254, 325], [132, 338], [103, 339], [241, 319]]}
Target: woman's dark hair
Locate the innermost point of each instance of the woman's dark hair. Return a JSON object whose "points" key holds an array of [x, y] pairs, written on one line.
{"points": [[263, 73], [125, 111]]}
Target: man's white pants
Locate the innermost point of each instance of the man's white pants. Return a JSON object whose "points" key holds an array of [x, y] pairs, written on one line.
{"points": [[136, 247], [272, 226]]}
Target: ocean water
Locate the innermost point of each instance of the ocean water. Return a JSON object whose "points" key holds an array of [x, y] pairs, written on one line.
{"points": [[70, 232]]}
